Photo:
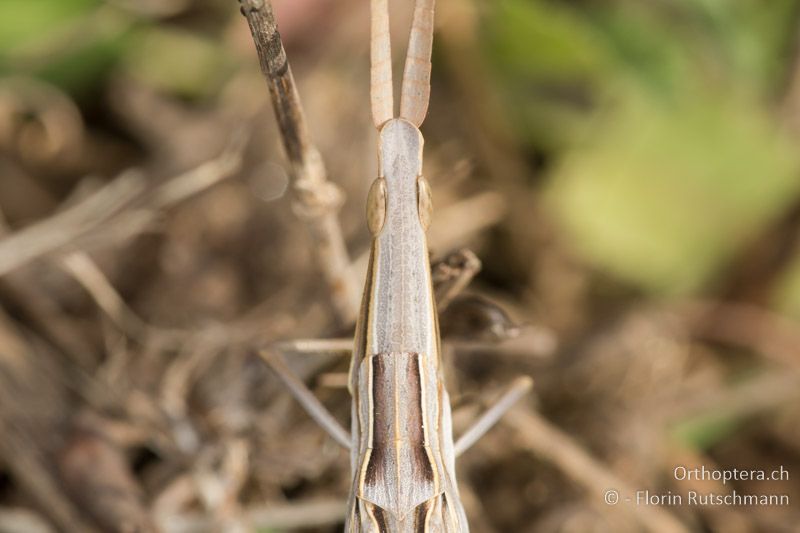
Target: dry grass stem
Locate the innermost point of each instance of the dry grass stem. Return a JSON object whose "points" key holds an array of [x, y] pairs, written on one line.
{"points": [[70, 225], [316, 199], [551, 444], [296, 515], [111, 212], [14, 520], [769, 334]]}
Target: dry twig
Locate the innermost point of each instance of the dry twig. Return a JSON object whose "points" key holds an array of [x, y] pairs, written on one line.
{"points": [[25, 386], [18, 520], [280, 517], [69, 225], [316, 199], [95, 470], [548, 442], [108, 213], [769, 334]]}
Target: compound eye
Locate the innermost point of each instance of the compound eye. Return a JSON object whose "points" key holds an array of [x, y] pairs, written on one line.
{"points": [[424, 203], [376, 206]]}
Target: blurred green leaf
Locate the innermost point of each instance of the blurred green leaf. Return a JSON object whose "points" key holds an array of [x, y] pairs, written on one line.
{"points": [[750, 38], [177, 61], [661, 195], [547, 59], [73, 52], [702, 432], [541, 39], [668, 159], [24, 20], [84, 67], [787, 291]]}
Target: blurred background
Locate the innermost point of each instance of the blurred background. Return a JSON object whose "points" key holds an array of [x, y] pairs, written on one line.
{"points": [[626, 172]]}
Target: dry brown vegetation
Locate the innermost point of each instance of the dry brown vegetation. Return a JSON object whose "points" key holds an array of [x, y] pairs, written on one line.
{"points": [[151, 241]]}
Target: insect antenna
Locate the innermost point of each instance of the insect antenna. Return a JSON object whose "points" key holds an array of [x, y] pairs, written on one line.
{"points": [[416, 86], [417, 73], [381, 92]]}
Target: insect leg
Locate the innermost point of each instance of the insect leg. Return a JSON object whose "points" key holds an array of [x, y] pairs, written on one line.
{"points": [[452, 274], [517, 390], [306, 398]]}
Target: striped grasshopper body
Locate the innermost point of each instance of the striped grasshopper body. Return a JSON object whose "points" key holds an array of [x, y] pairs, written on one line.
{"points": [[401, 440], [402, 456], [402, 452]]}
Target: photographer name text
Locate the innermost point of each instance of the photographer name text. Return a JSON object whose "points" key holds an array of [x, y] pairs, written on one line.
{"points": [[692, 498]]}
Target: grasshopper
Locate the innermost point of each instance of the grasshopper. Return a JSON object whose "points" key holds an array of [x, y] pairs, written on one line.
{"points": [[401, 439]]}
